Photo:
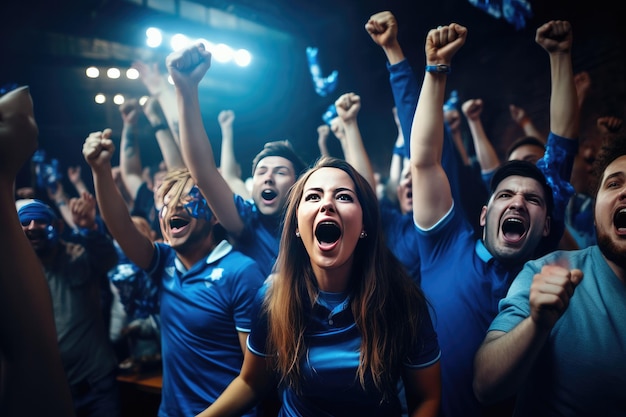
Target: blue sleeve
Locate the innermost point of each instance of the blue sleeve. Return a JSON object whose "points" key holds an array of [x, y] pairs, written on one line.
{"points": [[247, 281], [406, 90], [556, 165]]}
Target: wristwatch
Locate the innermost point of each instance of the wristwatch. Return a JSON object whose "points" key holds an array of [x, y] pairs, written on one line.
{"points": [[439, 68]]}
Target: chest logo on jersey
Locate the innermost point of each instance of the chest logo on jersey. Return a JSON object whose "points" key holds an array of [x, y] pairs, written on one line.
{"points": [[216, 275]]}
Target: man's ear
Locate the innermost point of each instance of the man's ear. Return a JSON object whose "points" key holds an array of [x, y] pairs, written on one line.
{"points": [[546, 226], [483, 216]]}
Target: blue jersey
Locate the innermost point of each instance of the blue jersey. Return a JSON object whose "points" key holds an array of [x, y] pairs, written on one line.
{"points": [[330, 386], [463, 283], [261, 235], [401, 237], [202, 311], [581, 369]]}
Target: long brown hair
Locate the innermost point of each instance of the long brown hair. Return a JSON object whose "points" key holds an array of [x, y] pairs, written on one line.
{"points": [[386, 303]]}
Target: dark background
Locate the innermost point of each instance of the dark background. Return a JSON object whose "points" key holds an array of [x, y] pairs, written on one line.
{"points": [[47, 45]]}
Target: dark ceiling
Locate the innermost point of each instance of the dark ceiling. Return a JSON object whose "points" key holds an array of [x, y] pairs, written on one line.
{"points": [[48, 44]]}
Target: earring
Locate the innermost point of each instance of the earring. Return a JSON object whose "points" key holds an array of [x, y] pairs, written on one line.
{"points": [[363, 234], [297, 234]]}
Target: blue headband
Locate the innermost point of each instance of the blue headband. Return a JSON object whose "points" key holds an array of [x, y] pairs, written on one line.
{"points": [[36, 210]]}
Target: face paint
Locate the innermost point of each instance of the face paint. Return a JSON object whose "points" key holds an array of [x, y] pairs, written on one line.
{"points": [[197, 206]]}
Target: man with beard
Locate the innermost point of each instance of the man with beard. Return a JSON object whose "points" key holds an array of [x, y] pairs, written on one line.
{"points": [[73, 271], [559, 340], [205, 287], [465, 278]]}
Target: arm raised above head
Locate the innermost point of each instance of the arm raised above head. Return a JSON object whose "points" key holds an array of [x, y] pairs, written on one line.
{"points": [[430, 181], [187, 67]]}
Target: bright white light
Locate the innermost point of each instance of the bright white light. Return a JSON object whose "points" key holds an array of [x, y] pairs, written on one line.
{"points": [[170, 79], [207, 45], [132, 74], [113, 73], [92, 72], [118, 99], [142, 100], [222, 52], [154, 37], [243, 57], [179, 41], [100, 98]]}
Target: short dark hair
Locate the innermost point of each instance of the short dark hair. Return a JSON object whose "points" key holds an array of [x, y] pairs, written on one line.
{"points": [[523, 169], [282, 148], [611, 149], [524, 140]]}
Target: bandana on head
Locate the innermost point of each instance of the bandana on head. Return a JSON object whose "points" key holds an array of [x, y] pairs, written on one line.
{"points": [[35, 210]]}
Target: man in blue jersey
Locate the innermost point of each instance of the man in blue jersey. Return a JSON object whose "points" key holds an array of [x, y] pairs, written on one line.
{"points": [[560, 335], [206, 288], [254, 224], [464, 278]]}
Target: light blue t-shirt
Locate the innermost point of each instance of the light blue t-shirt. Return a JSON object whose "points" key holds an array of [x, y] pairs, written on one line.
{"points": [[581, 370]]}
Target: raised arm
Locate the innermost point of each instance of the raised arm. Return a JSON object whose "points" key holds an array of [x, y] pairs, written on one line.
{"points": [[323, 131], [229, 167], [427, 133], [485, 152], [187, 67], [523, 120], [130, 158], [98, 149], [33, 380], [383, 29], [504, 360], [159, 88], [61, 200], [398, 159], [348, 106], [74, 175], [166, 140], [556, 38]]}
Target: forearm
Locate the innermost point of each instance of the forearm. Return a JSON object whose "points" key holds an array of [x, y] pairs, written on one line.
{"points": [[530, 129], [66, 213], [80, 187], [485, 152], [460, 147], [130, 158], [167, 100], [111, 203], [356, 154], [564, 111], [393, 52], [236, 399], [427, 130], [169, 149], [31, 365], [228, 162], [200, 160], [504, 360]]}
